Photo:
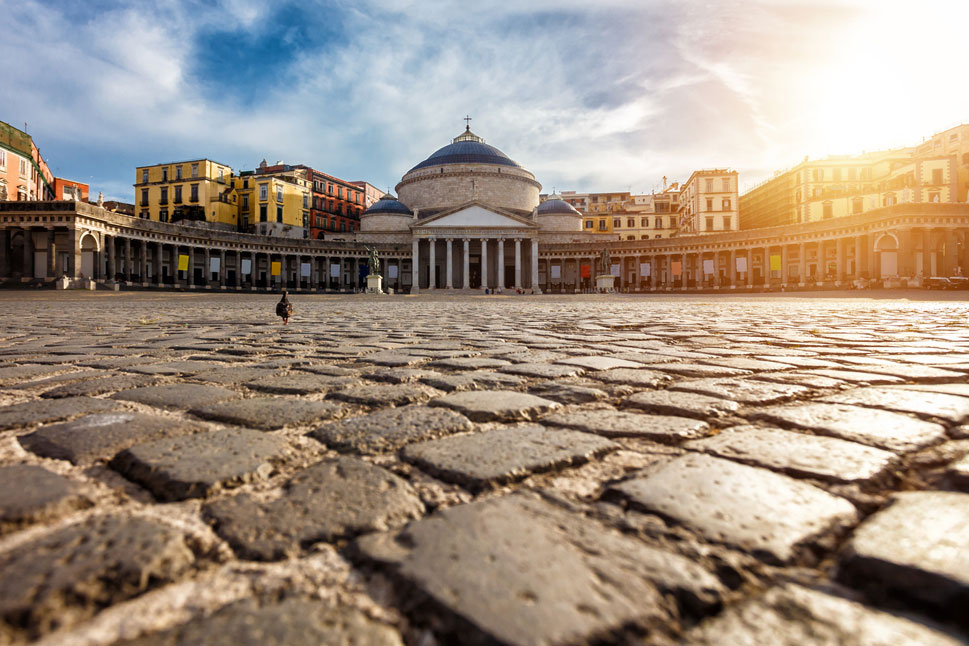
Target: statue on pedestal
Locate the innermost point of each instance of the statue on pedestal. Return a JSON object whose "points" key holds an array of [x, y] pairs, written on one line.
{"points": [[605, 263], [373, 261]]}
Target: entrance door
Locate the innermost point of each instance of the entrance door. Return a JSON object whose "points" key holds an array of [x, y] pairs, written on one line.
{"points": [[889, 264], [87, 263]]}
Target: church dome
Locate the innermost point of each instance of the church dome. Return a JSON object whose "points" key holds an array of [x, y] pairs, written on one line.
{"points": [[467, 148], [388, 204], [555, 206]]}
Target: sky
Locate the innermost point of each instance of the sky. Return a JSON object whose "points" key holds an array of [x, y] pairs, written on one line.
{"points": [[591, 95]]}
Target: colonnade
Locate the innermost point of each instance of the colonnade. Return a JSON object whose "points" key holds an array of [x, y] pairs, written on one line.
{"points": [[483, 265]]}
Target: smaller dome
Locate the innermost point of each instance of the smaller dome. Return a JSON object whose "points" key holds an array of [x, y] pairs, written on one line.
{"points": [[556, 206], [388, 204]]}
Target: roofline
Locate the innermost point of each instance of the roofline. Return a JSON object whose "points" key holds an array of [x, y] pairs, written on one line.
{"points": [[184, 161]]}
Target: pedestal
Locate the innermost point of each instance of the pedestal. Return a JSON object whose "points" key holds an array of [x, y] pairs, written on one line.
{"points": [[605, 282], [374, 284]]}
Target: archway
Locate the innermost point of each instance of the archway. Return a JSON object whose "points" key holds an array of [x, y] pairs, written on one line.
{"points": [[887, 248], [89, 252]]}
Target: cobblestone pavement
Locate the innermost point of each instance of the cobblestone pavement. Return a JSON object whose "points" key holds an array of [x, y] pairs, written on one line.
{"points": [[182, 469]]}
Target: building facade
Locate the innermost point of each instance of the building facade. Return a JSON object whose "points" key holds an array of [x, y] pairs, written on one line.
{"points": [[66, 189], [371, 194], [24, 175], [274, 203], [196, 190], [708, 202]]}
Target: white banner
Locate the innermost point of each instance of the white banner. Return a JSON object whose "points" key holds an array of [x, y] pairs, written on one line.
{"points": [[392, 271], [741, 265], [556, 271], [304, 269], [645, 270], [614, 270], [214, 264], [246, 265], [707, 266], [334, 270]]}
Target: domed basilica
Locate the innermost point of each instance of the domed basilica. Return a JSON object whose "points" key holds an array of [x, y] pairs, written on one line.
{"points": [[473, 218]]}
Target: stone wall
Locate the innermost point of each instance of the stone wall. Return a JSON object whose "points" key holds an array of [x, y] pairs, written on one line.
{"points": [[512, 189], [385, 222], [559, 222]]}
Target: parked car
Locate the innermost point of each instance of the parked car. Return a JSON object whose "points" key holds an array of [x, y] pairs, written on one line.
{"points": [[937, 282], [958, 282]]}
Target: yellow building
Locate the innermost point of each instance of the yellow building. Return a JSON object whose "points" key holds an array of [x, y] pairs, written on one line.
{"points": [[274, 204], [708, 202], [199, 189]]}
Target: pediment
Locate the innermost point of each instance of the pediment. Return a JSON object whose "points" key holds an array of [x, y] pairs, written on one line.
{"points": [[475, 215]]}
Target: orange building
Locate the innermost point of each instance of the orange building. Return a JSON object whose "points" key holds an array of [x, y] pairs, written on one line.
{"points": [[66, 189]]}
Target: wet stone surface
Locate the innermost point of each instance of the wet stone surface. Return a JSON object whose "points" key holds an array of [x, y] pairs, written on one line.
{"points": [[180, 468]]}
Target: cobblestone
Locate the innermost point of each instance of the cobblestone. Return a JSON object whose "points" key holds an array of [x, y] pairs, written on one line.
{"points": [[481, 470]]}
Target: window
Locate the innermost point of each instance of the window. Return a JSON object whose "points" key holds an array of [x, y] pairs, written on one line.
{"points": [[630, 237], [144, 197], [644, 222], [279, 193], [165, 174], [195, 193], [726, 184], [23, 167], [279, 214], [178, 172], [339, 192], [163, 215], [3, 158], [709, 223], [245, 183], [934, 196], [195, 170], [617, 223], [816, 192], [857, 205], [827, 211], [659, 221], [630, 222], [262, 212], [936, 176], [588, 224], [178, 194], [329, 187], [343, 225], [602, 225], [644, 237], [818, 174], [144, 176], [726, 223], [709, 204], [306, 201], [263, 193], [143, 215], [164, 195], [709, 184], [221, 174], [725, 205]]}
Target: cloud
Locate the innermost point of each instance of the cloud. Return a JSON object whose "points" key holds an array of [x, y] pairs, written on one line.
{"points": [[589, 96]]}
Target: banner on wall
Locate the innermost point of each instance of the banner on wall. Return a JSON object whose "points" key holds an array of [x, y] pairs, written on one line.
{"points": [[614, 269], [214, 264], [275, 269], [182, 262], [677, 268], [334, 270], [707, 266], [392, 271], [304, 269], [585, 271], [741, 265], [246, 266], [775, 263], [645, 270], [556, 271]]}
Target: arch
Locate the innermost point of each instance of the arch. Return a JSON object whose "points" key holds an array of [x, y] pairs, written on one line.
{"points": [[88, 238], [886, 242]]}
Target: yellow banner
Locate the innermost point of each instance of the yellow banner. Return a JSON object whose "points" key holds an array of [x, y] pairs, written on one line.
{"points": [[775, 263], [182, 263], [276, 268]]}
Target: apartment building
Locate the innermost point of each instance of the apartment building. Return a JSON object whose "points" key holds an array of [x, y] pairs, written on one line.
{"points": [[708, 202], [24, 175], [198, 189], [274, 203], [66, 189]]}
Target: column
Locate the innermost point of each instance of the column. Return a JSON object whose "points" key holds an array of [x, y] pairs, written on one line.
{"points": [[927, 252], [501, 263], [801, 264], [157, 258], [51, 255], [466, 282], [207, 268], [5, 251], [414, 265], [906, 257], [73, 256], [355, 276], [951, 253], [535, 286], [732, 269], [578, 273], [143, 258], [109, 243], [518, 263], [860, 257], [684, 275], [431, 282], [314, 272], [222, 268], [749, 277], [127, 260], [191, 266], [450, 265], [839, 270], [484, 263], [785, 270]]}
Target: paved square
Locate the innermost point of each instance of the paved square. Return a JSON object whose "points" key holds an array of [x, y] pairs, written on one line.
{"points": [[482, 469]]}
